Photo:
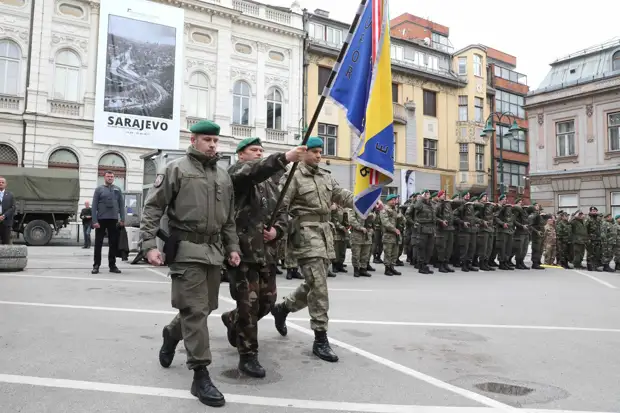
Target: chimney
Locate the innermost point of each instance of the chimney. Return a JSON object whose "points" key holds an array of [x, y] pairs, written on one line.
{"points": [[322, 13]]}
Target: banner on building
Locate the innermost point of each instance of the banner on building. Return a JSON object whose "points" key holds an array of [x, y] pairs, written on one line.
{"points": [[139, 75]]}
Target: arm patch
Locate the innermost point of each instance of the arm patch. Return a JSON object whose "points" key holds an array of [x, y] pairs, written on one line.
{"points": [[158, 180]]}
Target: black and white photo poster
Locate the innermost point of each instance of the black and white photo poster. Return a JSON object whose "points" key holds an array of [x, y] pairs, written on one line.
{"points": [[138, 79]]}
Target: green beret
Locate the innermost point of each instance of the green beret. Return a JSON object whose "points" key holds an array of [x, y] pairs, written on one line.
{"points": [[387, 198], [205, 127], [518, 200], [502, 197], [434, 194], [482, 195], [415, 194], [606, 215], [455, 196], [248, 142], [314, 142], [465, 193], [617, 216], [424, 191]]}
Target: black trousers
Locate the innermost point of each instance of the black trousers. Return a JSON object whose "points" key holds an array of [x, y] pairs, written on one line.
{"points": [[111, 227], [5, 234]]}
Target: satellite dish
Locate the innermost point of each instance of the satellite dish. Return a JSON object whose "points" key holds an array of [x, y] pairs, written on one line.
{"points": [[427, 41]]}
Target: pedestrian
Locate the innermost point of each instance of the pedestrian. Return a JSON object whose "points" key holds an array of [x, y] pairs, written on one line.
{"points": [[198, 197], [7, 212], [309, 198], [108, 214], [253, 283], [86, 215]]}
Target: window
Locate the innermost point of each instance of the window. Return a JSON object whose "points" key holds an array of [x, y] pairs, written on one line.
{"points": [[67, 76], [463, 108], [510, 142], [616, 62], [329, 134], [388, 190], [508, 102], [395, 92], [441, 42], [479, 108], [613, 127], [569, 203], [395, 140], [397, 52], [243, 48], [71, 10], [615, 203], [150, 172], [324, 73], [197, 101], [241, 103], [8, 156], [334, 36], [514, 174], [317, 31], [274, 109], [430, 153], [464, 157], [63, 158], [276, 56], [430, 103], [115, 163], [510, 75], [201, 38], [477, 65], [10, 59], [462, 68], [565, 135], [479, 158]]}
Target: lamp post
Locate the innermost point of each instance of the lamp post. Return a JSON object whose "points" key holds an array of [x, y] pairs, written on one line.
{"points": [[488, 132]]}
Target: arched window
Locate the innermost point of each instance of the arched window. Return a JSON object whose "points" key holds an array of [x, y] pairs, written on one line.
{"points": [[8, 156], [10, 63], [67, 76], [115, 163], [616, 61], [63, 158], [198, 98], [274, 109], [241, 103]]}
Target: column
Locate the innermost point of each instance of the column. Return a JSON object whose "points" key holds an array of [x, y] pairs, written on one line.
{"points": [[411, 134], [93, 48]]}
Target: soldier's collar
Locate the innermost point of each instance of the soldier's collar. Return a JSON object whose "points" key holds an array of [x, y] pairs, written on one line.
{"points": [[310, 170]]}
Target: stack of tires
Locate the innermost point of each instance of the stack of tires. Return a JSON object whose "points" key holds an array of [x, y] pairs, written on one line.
{"points": [[13, 258]]}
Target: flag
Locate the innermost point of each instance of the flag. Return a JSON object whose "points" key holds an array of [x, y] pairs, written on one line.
{"points": [[363, 88]]}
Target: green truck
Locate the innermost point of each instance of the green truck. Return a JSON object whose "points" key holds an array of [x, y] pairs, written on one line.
{"points": [[46, 200]]}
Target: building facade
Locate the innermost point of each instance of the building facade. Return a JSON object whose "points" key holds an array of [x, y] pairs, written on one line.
{"points": [[424, 104], [242, 69], [575, 141]]}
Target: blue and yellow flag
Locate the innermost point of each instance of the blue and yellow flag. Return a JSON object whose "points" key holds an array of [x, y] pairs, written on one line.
{"points": [[363, 88]]}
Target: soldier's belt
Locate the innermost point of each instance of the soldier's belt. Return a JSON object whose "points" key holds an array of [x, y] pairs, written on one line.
{"points": [[313, 218], [196, 237]]}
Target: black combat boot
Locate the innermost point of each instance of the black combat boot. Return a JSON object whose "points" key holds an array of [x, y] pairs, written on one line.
{"points": [[443, 267], [493, 264], [95, 269], [465, 266], [536, 266], [297, 275], [331, 274], [278, 271], [447, 267], [425, 270], [342, 267], [166, 352], [471, 267], [279, 313], [607, 268], [377, 260], [521, 265], [369, 268], [364, 272], [394, 271], [231, 334], [475, 262], [356, 272], [388, 271], [203, 388], [249, 365], [399, 263], [321, 347], [335, 268], [289, 274]]}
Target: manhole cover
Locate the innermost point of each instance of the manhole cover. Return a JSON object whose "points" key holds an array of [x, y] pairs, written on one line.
{"points": [[503, 388]]}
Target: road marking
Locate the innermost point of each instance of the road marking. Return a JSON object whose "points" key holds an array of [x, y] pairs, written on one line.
{"points": [[154, 271], [598, 280], [86, 307], [405, 370], [58, 277]]}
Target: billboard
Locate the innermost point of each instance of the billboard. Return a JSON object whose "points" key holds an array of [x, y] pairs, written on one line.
{"points": [[139, 75]]}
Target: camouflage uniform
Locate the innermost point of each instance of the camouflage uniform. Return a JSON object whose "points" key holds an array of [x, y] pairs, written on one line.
{"points": [[521, 236], [563, 231], [427, 220], [617, 243], [594, 244], [401, 224], [410, 219], [377, 242], [361, 242], [339, 220], [550, 243], [579, 239], [484, 243], [465, 218], [537, 225], [390, 239], [504, 219], [609, 232], [444, 241]]}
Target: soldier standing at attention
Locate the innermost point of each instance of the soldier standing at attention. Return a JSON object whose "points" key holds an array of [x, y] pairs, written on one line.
{"points": [[377, 241], [411, 223], [484, 243], [465, 217], [520, 240], [504, 219], [593, 246], [537, 224], [579, 239], [563, 237], [609, 232], [309, 198], [361, 243], [391, 234], [445, 233], [550, 242], [201, 214], [253, 282], [339, 220], [427, 220]]}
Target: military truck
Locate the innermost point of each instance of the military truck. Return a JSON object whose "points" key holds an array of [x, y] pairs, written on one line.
{"points": [[46, 200]]}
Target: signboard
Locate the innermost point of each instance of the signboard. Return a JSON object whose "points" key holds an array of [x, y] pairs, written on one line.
{"points": [[139, 75]]}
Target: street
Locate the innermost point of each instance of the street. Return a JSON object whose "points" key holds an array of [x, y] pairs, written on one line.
{"points": [[461, 342]]}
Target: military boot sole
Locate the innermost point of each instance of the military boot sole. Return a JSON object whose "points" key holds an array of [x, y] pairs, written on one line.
{"points": [[207, 401]]}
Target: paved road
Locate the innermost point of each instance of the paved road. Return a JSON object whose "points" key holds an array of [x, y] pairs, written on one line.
{"points": [[74, 342]]}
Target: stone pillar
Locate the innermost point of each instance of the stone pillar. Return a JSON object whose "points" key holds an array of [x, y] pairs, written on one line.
{"points": [[91, 78], [411, 135]]}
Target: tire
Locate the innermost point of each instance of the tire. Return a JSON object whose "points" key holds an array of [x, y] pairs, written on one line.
{"points": [[13, 257], [37, 233]]}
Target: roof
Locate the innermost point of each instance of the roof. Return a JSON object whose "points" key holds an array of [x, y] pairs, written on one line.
{"points": [[584, 66]]}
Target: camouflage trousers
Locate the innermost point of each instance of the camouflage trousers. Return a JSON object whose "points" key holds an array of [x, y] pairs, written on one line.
{"points": [[253, 286], [578, 252], [390, 253], [360, 255], [312, 292], [195, 290], [551, 253], [444, 244], [377, 243], [594, 253], [340, 248], [562, 252], [607, 252]]}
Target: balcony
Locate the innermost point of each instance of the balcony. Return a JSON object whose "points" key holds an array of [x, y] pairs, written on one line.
{"points": [[258, 10], [400, 113], [274, 135], [10, 103], [65, 109], [472, 181], [242, 131]]}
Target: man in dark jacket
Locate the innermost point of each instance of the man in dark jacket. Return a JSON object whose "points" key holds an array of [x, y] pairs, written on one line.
{"points": [[7, 211], [252, 283], [108, 207], [87, 223]]}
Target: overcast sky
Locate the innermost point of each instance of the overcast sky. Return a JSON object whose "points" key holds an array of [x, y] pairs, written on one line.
{"points": [[535, 31]]}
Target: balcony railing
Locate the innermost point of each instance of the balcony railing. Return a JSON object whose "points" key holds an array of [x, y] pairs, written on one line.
{"points": [[400, 113], [242, 131], [274, 135], [510, 75], [10, 103], [467, 179], [60, 108], [265, 12]]}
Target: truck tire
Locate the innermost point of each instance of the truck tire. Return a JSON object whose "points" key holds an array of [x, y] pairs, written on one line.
{"points": [[13, 257], [37, 233]]}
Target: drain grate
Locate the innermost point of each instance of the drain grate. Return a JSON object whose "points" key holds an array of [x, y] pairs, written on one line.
{"points": [[503, 388]]}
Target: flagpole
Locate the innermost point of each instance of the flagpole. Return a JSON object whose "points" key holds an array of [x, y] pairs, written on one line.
{"points": [[319, 107]]}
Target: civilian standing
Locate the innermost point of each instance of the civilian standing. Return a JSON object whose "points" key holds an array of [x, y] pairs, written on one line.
{"points": [[87, 223], [108, 207], [7, 211]]}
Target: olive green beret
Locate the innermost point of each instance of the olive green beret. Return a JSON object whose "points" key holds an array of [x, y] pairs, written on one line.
{"points": [[314, 142], [390, 197], [248, 142], [455, 196], [502, 197], [482, 195], [518, 200], [205, 127], [617, 216], [464, 193]]}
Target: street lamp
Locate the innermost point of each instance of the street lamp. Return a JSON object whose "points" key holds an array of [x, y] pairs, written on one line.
{"points": [[488, 133]]}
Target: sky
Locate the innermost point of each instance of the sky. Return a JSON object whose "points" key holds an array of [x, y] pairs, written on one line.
{"points": [[537, 32]]}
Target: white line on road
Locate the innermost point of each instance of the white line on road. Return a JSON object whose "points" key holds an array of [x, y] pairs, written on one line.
{"points": [[58, 277], [405, 370], [598, 280]]}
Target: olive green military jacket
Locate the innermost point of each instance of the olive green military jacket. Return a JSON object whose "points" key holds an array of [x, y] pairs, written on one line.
{"points": [[339, 219], [388, 216], [309, 198], [197, 196], [357, 224]]}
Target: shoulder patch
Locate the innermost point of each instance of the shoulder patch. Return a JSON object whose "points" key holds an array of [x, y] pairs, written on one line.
{"points": [[158, 180]]}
